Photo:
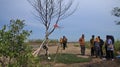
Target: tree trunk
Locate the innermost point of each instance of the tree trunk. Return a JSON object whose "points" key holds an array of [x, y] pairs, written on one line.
{"points": [[46, 44]]}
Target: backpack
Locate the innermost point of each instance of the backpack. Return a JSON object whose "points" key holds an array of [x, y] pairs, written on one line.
{"points": [[64, 40], [101, 42], [112, 38]]}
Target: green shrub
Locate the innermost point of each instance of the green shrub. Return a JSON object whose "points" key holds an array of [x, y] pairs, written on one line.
{"points": [[14, 52], [117, 45]]}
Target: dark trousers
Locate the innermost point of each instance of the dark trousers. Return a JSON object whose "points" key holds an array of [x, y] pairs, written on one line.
{"points": [[92, 51], [101, 52], [64, 45], [106, 51], [97, 51], [110, 54], [82, 49]]}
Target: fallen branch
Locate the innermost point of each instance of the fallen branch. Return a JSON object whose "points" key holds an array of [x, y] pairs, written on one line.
{"points": [[56, 54], [35, 53]]}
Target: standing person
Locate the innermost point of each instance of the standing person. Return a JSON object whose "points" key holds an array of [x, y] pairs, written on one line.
{"points": [[64, 42], [82, 44], [97, 47], [106, 52], [92, 45], [61, 41], [101, 45], [110, 47]]}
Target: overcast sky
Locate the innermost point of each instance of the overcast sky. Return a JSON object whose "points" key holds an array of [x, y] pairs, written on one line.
{"points": [[93, 17]]}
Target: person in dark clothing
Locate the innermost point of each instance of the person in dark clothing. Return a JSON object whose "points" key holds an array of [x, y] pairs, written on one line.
{"points": [[92, 45], [101, 45], [109, 47], [64, 42]]}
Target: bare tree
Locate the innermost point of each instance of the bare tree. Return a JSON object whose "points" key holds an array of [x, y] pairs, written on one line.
{"points": [[50, 12]]}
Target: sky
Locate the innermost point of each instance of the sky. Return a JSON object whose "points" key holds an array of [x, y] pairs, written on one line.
{"points": [[92, 17]]}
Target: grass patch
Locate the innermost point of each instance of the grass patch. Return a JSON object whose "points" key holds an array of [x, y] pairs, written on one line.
{"points": [[69, 58], [65, 58]]}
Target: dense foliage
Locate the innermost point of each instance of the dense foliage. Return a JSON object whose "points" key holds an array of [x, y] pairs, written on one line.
{"points": [[14, 52]]}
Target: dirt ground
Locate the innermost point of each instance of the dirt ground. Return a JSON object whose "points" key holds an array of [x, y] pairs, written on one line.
{"points": [[95, 62]]}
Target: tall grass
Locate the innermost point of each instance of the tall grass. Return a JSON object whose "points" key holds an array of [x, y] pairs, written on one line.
{"points": [[117, 45]]}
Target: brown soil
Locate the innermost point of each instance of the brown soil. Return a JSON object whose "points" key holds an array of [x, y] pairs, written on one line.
{"points": [[95, 62]]}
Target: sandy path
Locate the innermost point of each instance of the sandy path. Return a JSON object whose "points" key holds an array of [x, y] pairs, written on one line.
{"points": [[70, 49]]}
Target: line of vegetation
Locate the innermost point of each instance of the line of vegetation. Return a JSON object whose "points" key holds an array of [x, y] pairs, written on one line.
{"points": [[41, 40]]}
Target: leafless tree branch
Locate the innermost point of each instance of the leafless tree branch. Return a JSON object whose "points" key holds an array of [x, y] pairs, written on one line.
{"points": [[51, 12]]}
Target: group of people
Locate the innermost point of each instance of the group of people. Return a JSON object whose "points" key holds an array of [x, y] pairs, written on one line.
{"points": [[96, 46], [63, 42]]}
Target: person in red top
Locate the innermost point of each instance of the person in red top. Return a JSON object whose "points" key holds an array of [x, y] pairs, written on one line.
{"points": [[82, 44]]}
